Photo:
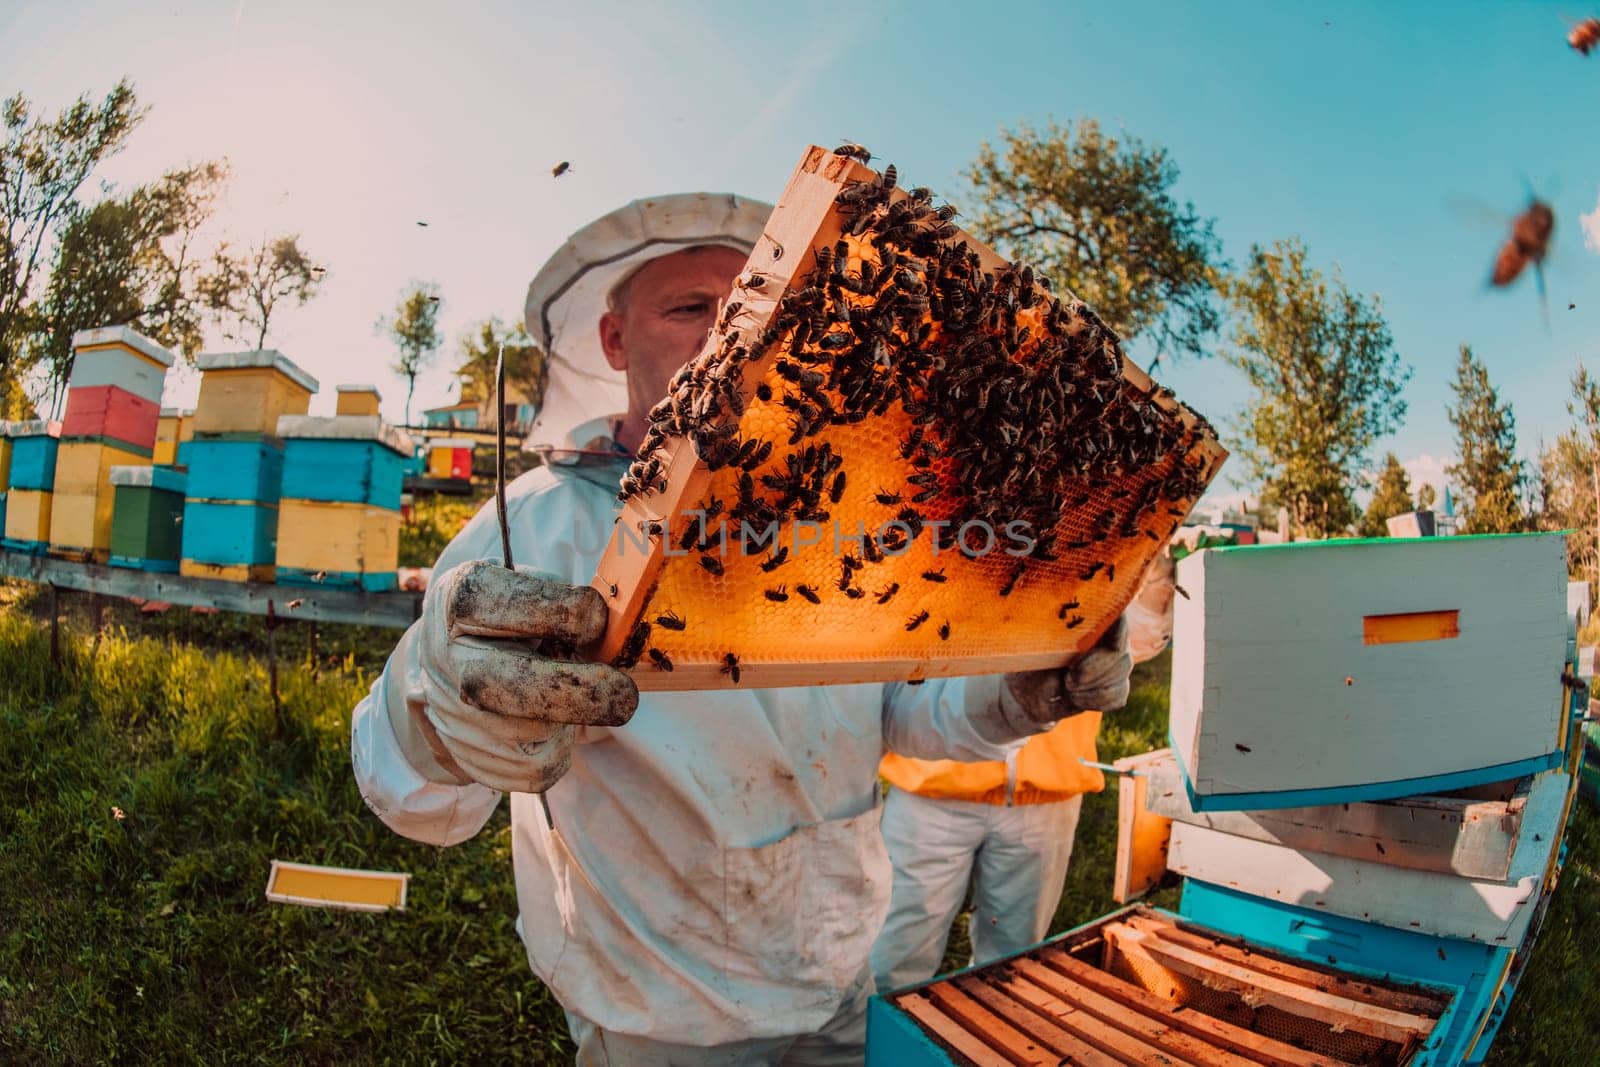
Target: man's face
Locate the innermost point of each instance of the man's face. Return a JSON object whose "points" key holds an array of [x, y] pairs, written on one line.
{"points": [[669, 306]]}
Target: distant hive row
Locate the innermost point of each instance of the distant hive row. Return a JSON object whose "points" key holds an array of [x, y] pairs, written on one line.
{"points": [[246, 487]]}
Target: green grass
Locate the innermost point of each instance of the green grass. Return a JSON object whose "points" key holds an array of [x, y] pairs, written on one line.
{"points": [[148, 939]]}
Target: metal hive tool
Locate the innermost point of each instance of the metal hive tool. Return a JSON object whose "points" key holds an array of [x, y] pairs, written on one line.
{"points": [[877, 371]]}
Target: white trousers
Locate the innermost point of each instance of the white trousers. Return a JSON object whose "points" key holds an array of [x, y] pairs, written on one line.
{"points": [[1017, 857], [840, 1043]]}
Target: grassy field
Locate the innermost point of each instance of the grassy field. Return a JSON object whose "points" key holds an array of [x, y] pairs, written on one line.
{"points": [[146, 784]]}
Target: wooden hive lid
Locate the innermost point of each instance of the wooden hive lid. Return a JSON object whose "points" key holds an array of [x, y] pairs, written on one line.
{"points": [[36, 428], [122, 335], [742, 435], [145, 475], [346, 428], [261, 357]]}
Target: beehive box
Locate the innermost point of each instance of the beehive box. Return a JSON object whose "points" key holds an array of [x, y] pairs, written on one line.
{"points": [[33, 454], [80, 518], [174, 427], [1143, 986], [244, 469], [147, 518], [1327, 672], [357, 459], [27, 520], [247, 392], [233, 541], [450, 457], [5, 455], [898, 456], [105, 412], [357, 400], [338, 544], [118, 357]]}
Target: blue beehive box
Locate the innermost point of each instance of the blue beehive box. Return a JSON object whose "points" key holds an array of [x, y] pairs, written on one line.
{"points": [[356, 459], [33, 454], [229, 534], [234, 469]]}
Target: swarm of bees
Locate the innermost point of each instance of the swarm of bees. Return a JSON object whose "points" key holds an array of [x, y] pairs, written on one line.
{"points": [[1016, 400]]}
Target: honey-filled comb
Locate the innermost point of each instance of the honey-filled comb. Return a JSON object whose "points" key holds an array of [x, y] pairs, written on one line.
{"points": [[898, 456]]}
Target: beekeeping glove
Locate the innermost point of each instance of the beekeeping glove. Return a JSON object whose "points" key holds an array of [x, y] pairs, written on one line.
{"points": [[489, 701], [1097, 680]]}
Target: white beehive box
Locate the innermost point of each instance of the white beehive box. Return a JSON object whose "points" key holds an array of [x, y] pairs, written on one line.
{"points": [[1336, 671]]}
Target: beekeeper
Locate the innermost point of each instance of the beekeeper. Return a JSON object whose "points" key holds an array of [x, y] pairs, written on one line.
{"points": [[1005, 825], [710, 879]]}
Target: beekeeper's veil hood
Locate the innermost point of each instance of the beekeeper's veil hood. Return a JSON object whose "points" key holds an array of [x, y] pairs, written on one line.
{"points": [[568, 296]]}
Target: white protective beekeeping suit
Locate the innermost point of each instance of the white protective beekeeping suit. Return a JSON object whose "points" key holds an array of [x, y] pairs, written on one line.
{"points": [[715, 875]]}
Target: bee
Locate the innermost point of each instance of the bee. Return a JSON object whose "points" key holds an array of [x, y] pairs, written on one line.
{"points": [[555, 172], [691, 534], [916, 620], [944, 630], [1076, 620], [778, 595], [1011, 580], [890, 176], [1584, 36], [712, 564], [671, 621], [854, 151], [662, 661], [633, 647], [837, 490], [1061, 612], [774, 561], [1528, 243], [809, 593], [887, 498], [753, 281], [935, 576], [1094, 569], [730, 667], [764, 392], [855, 593], [1111, 572], [885, 595]]}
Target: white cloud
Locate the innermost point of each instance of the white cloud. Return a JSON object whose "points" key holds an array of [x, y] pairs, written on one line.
{"points": [[1427, 469], [1591, 227]]}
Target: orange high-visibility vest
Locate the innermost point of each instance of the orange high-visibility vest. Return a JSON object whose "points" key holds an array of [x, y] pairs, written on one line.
{"points": [[1048, 768]]}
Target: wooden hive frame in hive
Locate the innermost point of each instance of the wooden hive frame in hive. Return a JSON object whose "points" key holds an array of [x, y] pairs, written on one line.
{"points": [[681, 619]]}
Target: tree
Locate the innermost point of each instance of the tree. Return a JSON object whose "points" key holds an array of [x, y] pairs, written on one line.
{"points": [[414, 328], [243, 290], [1096, 213], [1570, 479], [1491, 477], [1426, 497], [1326, 382], [526, 368], [128, 260], [1391, 497], [43, 162]]}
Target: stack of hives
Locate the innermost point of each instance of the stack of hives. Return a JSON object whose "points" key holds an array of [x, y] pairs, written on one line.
{"points": [[30, 492], [1372, 758], [235, 461], [147, 517], [174, 429], [450, 459], [113, 404], [339, 519], [5, 471], [995, 474]]}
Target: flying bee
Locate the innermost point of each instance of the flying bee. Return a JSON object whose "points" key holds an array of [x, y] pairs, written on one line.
{"points": [[561, 168], [809, 593], [671, 621], [778, 595], [1528, 243], [712, 564], [730, 667], [1584, 36], [916, 620], [662, 661]]}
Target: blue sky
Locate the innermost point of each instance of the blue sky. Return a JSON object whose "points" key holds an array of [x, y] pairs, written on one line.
{"points": [[1362, 128]]}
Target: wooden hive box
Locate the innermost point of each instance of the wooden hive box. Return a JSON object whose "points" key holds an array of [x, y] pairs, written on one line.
{"points": [[245, 393], [232, 541], [147, 518], [80, 519], [27, 526], [33, 454], [338, 544], [450, 457], [1328, 672], [898, 456], [118, 357], [5, 455], [357, 400], [174, 427], [106, 413], [1144, 986], [357, 459], [235, 469]]}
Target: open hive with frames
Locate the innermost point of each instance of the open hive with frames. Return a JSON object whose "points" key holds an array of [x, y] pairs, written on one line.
{"points": [[898, 456]]}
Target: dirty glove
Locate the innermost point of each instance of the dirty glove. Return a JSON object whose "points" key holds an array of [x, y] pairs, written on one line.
{"points": [[1097, 680], [489, 703]]}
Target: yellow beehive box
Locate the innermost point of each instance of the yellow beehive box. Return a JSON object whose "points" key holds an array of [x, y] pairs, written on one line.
{"points": [[247, 392], [339, 543], [175, 426], [28, 515], [358, 400], [5, 456], [80, 518], [85, 466], [226, 572]]}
